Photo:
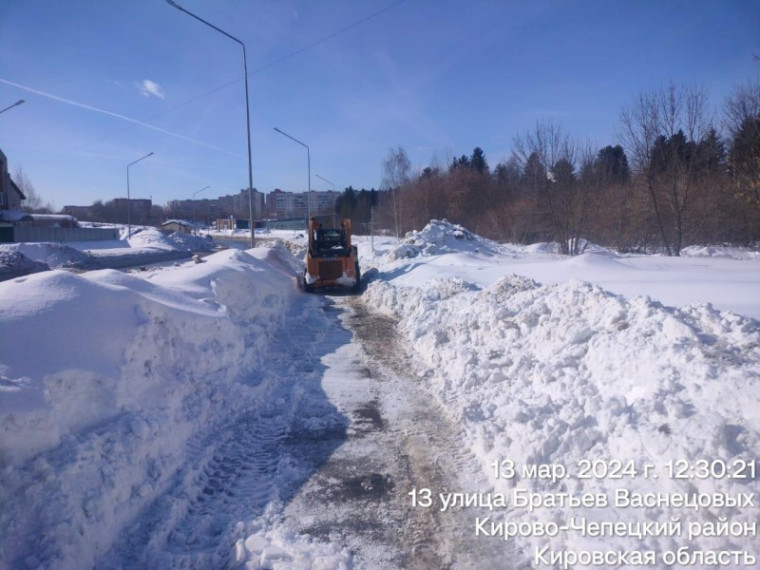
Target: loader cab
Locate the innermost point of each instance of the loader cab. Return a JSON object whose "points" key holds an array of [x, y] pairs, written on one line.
{"points": [[331, 259], [330, 242]]}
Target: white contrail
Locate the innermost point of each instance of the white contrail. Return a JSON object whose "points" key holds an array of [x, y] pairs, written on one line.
{"points": [[116, 115]]}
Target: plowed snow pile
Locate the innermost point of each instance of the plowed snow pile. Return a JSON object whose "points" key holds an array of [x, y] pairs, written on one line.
{"points": [[15, 264], [647, 415], [107, 378], [51, 254], [147, 245], [152, 238], [440, 237]]}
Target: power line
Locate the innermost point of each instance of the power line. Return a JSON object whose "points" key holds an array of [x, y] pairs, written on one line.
{"points": [[328, 37], [112, 114], [259, 69]]}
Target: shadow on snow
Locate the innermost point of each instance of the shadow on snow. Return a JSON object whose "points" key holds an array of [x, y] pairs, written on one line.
{"points": [[255, 462]]}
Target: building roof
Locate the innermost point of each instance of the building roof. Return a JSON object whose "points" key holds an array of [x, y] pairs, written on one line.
{"points": [[15, 216], [16, 188], [178, 222]]}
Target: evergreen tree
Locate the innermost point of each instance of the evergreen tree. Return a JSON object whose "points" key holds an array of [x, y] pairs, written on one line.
{"points": [[507, 173], [611, 166], [428, 173], [744, 160], [478, 160], [563, 173], [534, 173], [461, 162], [712, 153]]}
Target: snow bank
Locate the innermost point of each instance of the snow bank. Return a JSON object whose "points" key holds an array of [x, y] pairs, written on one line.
{"points": [[13, 263], [441, 237], [177, 241], [720, 251], [126, 372], [146, 246], [270, 545], [562, 374], [52, 254]]}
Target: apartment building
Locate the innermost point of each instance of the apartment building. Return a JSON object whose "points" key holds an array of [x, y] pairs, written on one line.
{"points": [[284, 205]]}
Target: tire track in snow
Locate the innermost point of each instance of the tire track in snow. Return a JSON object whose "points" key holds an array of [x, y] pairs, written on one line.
{"points": [[251, 464], [237, 480]]}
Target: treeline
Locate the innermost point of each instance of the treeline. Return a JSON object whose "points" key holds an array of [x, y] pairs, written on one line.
{"points": [[359, 205], [115, 212], [674, 179]]}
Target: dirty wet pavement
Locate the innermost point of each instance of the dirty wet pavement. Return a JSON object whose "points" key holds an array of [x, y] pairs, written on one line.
{"points": [[398, 439]]}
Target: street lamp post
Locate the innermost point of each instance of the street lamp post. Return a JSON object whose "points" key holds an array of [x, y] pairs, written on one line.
{"points": [[16, 104], [247, 111], [308, 168], [333, 187], [195, 228], [129, 219]]}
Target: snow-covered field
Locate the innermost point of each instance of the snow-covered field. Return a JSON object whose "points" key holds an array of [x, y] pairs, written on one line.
{"points": [[107, 378], [592, 379]]}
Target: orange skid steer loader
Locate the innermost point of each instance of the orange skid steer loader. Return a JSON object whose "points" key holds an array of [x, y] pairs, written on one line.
{"points": [[331, 259]]}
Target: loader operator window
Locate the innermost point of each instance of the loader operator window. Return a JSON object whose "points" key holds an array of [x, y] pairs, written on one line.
{"points": [[331, 242]]}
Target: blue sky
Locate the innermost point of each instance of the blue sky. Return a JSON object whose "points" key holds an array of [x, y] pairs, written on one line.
{"points": [[107, 82]]}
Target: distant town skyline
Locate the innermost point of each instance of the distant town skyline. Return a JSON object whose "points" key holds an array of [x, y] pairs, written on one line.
{"points": [[277, 204]]}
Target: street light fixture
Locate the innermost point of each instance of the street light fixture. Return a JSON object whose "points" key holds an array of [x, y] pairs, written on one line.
{"points": [[326, 180], [247, 111], [16, 104], [195, 228], [129, 219], [308, 167]]}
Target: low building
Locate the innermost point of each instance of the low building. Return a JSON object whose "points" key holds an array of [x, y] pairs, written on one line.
{"points": [[54, 221], [17, 226], [10, 194], [181, 226], [295, 224]]}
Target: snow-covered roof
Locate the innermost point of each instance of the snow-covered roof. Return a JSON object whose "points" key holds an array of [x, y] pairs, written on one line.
{"points": [[64, 220], [178, 222], [14, 216]]}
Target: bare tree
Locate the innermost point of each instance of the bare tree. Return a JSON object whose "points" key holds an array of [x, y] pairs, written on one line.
{"points": [[742, 121], [396, 171], [742, 104], [550, 158], [33, 201], [661, 131], [426, 198]]}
